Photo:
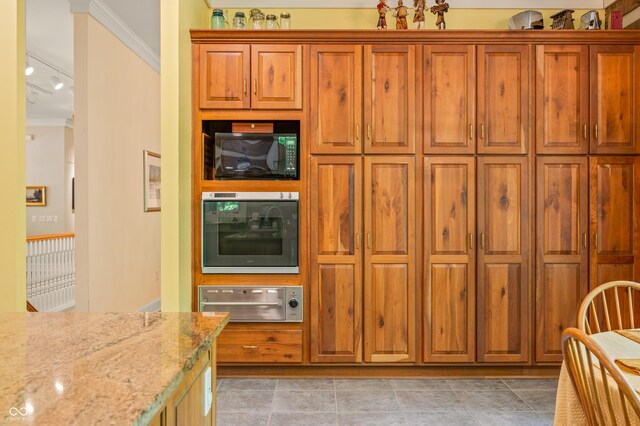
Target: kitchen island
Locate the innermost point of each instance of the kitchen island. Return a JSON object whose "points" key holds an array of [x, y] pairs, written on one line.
{"points": [[116, 368]]}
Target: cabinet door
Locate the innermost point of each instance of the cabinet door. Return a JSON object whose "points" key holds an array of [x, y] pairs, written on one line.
{"points": [[615, 96], [449, 274], [276, 70], [562, 99], [389, 290], [449, 99], [503, 299], [224, 76], [335, 109], [503, 99], [389, 98], [562, 253], [615, 219], [336, 259]]}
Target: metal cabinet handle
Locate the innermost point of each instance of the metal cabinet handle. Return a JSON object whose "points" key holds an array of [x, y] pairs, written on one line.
{"points": [[249, 347], [482, 131], [255, 86], [241, 303], [584, 239], [244, 85], [470, 241], [358, 241], [470, 131], [596, 129], [369, 131], [369, 240], [585, 132], [482, 240], [357, 132], [596, 240]]}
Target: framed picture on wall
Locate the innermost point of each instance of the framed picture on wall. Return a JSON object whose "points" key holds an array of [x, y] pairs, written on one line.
{"points": [[151, 181], [36, 195]]}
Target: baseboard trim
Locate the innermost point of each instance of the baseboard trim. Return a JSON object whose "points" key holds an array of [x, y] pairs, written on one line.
{"points": [[151, 307], [374, 371]]}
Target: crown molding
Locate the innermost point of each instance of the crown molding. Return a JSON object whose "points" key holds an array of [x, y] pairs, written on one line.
{"points": [[368, 4], [112, 22], [49, 122]]}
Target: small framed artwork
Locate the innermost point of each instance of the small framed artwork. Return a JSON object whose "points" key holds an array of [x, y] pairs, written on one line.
{"points": [[36, 195], [151, 181]]}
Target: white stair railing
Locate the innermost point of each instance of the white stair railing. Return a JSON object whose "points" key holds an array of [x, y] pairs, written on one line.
{"points": [[51, 272]]}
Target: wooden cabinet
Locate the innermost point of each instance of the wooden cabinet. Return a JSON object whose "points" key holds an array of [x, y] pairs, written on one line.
{"points": [[336, 259], [503, 99], [562, 259], [449, 266], [615, 219], [389, 292], [562, 99], [260, 346], [449, 99], [615, 93], [342, 82], [239, 76], [503, 273]]}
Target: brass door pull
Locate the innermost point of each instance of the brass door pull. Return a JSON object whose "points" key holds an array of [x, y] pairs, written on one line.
{"points": [[585, 132], [584, 240], [358, 241], [369, 240], [470, 241], [596, 239], [482, 131], [369, 131], [482, 240], [255, 86], [244, 85], [249, 347], [470, 131], [596, 129], [357, 132]]}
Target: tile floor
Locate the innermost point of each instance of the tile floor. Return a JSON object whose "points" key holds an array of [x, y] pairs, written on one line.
{"points": [[432, 402]]}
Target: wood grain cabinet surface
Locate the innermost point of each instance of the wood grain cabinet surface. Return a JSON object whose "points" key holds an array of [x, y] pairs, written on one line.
{"points": [[363, 102], [241, 76]]}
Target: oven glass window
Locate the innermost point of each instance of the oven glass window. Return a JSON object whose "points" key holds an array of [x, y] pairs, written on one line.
{"points": [[250, 233]]}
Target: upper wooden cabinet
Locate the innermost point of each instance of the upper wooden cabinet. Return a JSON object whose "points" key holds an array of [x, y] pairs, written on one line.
{"points": [[449, 265], [562, 99], [615, 99], [238, 76], [503, 99], [562, 255], [342, 82], [503, 260], [449, 99]]}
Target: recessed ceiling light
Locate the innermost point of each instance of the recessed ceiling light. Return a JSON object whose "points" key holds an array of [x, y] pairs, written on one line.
{"points": [[56, 82]]}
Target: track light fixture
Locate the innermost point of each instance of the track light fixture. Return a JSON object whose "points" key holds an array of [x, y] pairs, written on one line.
{"points": [[56, 82], [33, 96], [29, 69]]}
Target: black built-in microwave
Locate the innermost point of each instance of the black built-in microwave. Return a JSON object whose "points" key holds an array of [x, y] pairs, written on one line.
{"points": [[256, 156]]}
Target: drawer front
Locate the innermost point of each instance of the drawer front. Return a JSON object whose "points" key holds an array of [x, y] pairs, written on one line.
{"points": [[281, 346]]}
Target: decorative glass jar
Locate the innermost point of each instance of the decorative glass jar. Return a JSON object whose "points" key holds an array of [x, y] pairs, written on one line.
{"points": [[285, 21], [239, 21], [258, 21], [272, 23], [217, 20]]}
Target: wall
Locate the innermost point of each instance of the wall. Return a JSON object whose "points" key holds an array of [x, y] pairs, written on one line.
{"points": [[46, 165], [177, 17], [69, 174], [12, 157], [117, 116], [457, 19]]}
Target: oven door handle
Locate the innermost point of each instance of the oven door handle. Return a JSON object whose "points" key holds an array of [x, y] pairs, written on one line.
{"points": [[241, 303]]}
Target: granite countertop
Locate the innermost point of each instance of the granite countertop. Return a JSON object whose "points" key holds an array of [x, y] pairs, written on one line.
{"points": [[92, 368]]}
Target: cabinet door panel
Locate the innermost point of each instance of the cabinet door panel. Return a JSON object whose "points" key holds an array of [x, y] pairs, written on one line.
{"points": [[449, 99], [390, 259], [389, 93], [336, 99], [336, 267], [562, 255], [276, 70], [449, 199], [503, 99], [562, 102], [503, 296], [615, 97], [224, 75], [615, 222]]}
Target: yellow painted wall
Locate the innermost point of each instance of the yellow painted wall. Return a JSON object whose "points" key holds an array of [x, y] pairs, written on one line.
{"points": [[457, 19], [12, 157], [177, 17]]}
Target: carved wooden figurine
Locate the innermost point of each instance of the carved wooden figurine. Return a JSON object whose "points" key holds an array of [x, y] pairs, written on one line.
{"points": [[439, 9], [401, 13], [418, 17], [382, 14]]}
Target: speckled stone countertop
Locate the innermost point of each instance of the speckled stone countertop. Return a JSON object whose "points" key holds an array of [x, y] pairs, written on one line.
{"points": [[96, 368]]}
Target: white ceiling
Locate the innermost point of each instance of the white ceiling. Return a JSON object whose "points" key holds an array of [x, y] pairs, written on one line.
{"points": [[49, 36]]}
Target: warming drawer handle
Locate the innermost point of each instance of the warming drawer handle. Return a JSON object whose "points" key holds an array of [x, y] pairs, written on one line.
{"points": [[241, 303]]}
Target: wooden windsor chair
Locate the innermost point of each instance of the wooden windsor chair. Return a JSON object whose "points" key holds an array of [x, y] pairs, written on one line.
{"points": [[606, 396], [611, 306]]}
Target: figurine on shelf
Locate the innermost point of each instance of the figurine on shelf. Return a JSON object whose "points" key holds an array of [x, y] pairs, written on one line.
{"points": [[563, 20], [400, 14], [439, 9], [382, 14], [418, 17]]}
